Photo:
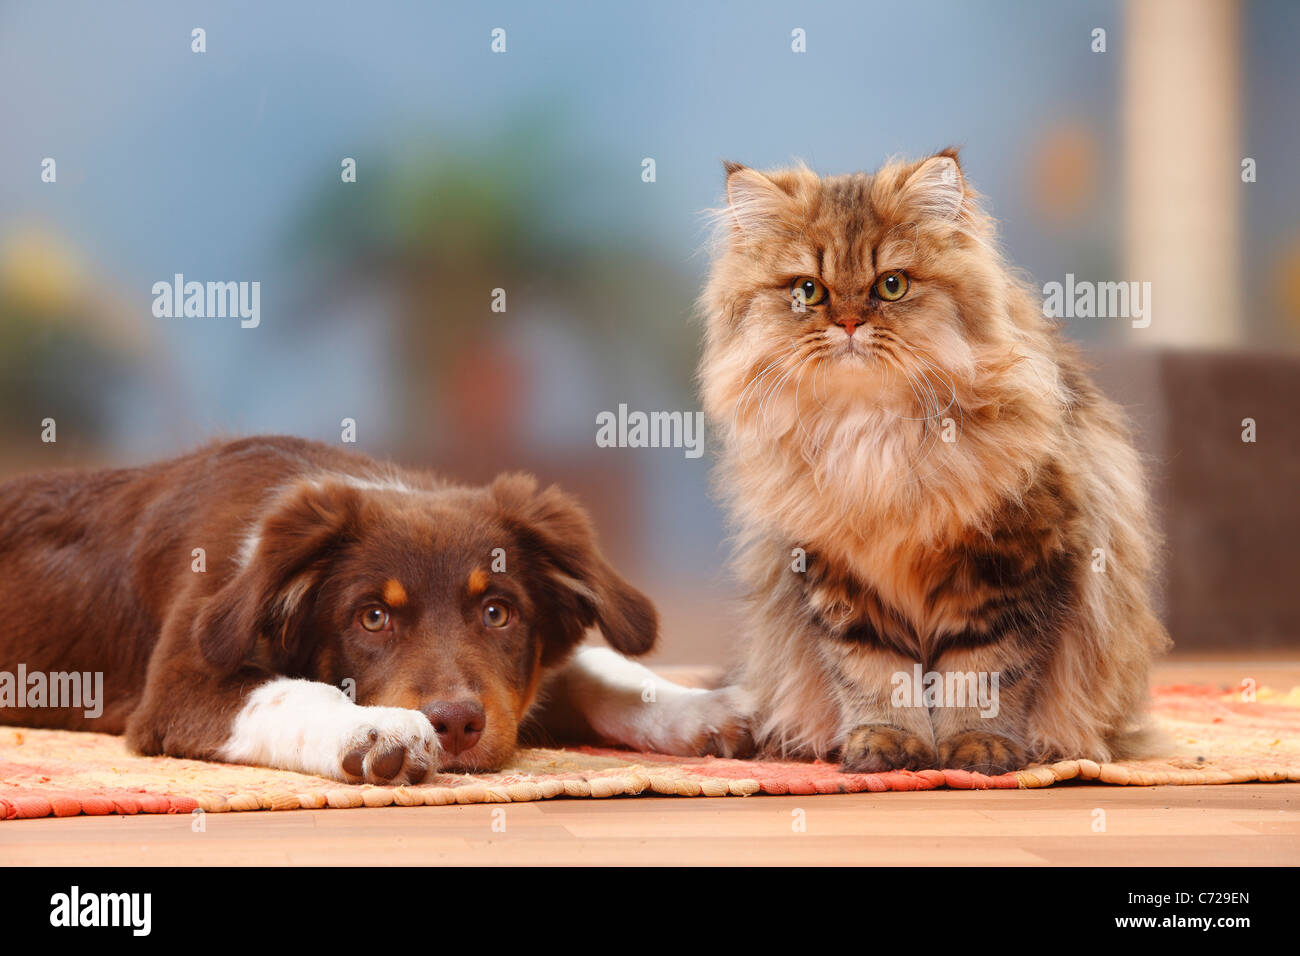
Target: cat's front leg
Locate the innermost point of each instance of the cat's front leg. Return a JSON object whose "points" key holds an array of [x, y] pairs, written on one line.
{"points": [[979, 703], [882, 730]]}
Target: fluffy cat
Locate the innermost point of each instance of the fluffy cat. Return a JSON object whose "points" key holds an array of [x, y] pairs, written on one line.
{"points": [[920, 472]]}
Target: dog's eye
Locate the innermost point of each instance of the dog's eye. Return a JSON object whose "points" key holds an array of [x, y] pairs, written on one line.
{"points": [[892, 286], [374, 618], [496, 614]]}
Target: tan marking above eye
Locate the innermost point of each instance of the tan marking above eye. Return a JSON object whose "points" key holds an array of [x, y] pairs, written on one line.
{"points": [[394, 593], [477, 582]]}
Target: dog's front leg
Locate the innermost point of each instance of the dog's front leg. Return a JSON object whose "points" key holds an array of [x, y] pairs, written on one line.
{"points": [[311, 727], [602, 694], [291, 724]]}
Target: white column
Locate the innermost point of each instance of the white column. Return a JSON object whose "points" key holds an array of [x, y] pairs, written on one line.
{"points": [[1182, 167]]}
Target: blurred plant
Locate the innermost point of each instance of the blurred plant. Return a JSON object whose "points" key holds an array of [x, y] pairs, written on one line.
{"points": [[443, 227], [64, 342]]}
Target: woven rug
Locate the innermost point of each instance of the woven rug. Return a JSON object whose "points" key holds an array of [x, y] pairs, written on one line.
{"points": [[1217, 739]]}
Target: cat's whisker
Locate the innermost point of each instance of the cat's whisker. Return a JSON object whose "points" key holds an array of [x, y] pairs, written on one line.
{"points": [[821, 367], [929, 434], [756, 387], [742, 401], [765, 403], [946, 461], [796, 367], [762, 386], [798, 412], [924, 370], [920, 400], [961, 418], [924, 356], [934, 394], [932, 406]]}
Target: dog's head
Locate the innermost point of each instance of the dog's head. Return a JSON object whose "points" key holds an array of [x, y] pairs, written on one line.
{"points": [[451, 601]]}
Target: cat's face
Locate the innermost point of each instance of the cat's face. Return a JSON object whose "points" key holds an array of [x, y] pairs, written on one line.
{"points": [[850, 291]]}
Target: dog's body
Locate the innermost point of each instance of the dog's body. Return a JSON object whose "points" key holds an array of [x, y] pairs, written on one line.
{"points": [[230, 597]]}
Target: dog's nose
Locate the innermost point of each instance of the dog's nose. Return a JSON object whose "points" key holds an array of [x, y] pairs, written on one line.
{"points": [[459, 723]]}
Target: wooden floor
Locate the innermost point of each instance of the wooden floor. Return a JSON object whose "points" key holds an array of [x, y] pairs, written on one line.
{"points": [[1255, 824], [1246, 825]]}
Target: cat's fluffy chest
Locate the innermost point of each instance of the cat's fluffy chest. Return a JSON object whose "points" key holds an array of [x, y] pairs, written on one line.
{"points": [[881, 536]]}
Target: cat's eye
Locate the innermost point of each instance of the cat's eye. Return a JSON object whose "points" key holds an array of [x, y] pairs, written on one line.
{"points": [[496, 614], [374, 618], [891, 286], [808, 291]]}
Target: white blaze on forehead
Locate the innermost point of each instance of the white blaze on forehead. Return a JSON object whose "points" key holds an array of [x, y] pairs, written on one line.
{"points": [[248, 547], [375, 484], [252, 541]]}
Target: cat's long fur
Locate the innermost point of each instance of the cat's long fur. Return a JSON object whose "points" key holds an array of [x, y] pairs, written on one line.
{"points": [[867, 542]]}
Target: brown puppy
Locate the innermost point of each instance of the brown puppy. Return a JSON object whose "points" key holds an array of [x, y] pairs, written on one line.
{"points": [[230, 597]]}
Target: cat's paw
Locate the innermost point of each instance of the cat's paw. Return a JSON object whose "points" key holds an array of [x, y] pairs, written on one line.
{"points": [[981, 752], [874, 748]]}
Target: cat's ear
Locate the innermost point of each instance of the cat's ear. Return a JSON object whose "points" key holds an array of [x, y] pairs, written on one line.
{"points": [[937, 188], [754, 200]]}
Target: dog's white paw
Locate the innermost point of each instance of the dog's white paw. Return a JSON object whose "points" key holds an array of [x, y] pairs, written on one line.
{"points": [[626, 703], [310, 727], [717, 723], [690, 722], [388, 745]]}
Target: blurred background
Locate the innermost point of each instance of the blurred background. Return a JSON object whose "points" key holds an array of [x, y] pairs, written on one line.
{"points": [[523, 170]]}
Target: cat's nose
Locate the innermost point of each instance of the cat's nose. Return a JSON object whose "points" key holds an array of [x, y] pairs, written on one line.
{"points": [[848, 324]]}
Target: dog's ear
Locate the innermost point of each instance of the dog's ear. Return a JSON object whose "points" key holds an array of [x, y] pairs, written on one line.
{"points": [[282, 563], [558, 551]]}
